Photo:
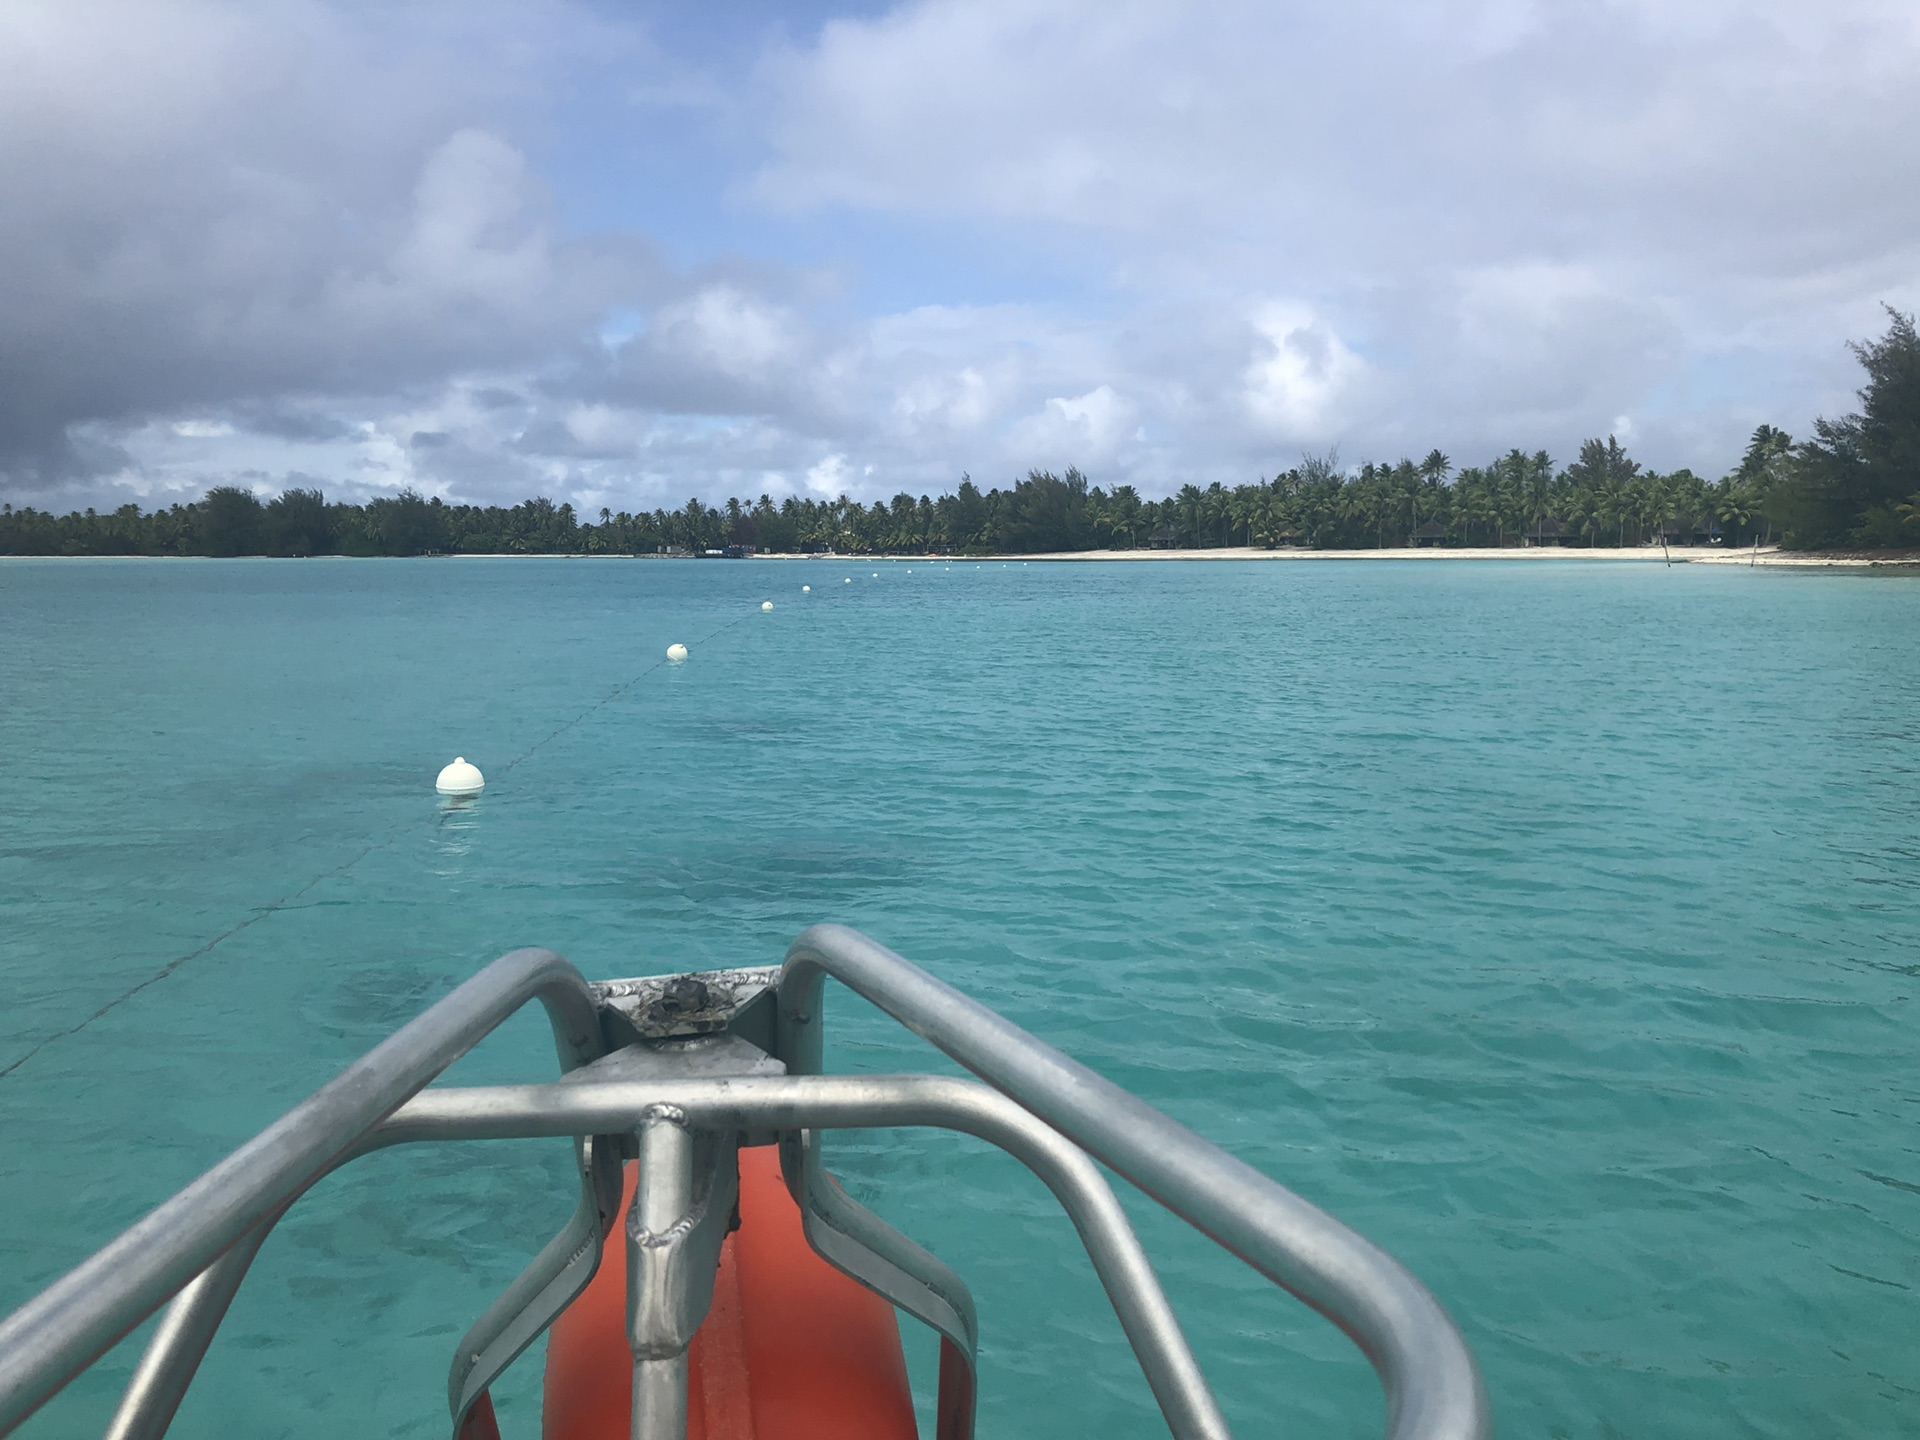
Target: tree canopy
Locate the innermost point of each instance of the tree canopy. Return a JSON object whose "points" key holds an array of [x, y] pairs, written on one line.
{"points": [[1857, 481], [1604, 498]]}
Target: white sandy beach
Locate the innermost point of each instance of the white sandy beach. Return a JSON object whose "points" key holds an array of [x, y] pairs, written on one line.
{"points": [[1642, 554]]}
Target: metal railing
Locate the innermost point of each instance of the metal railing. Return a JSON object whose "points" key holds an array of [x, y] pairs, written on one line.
{"points": [[1052, 1114], [1433, 1385]]}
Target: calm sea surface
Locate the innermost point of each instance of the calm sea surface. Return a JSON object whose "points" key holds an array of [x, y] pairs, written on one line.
{"points": [[1558, 926]]}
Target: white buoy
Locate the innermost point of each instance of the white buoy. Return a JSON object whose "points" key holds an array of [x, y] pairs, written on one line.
{"points": [[676, 653], [806, 589], [876, 574], [766, 605], [847, 581], [460, 778]]}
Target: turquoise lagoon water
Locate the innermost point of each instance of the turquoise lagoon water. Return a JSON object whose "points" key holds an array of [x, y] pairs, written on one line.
{"points": [[1558, 926]]}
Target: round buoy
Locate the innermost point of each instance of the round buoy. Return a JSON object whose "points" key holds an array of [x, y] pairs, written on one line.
{"points": [[806, 589], [460, 778], [876, 574], [676, 653], [766, 605], [847, 581]]}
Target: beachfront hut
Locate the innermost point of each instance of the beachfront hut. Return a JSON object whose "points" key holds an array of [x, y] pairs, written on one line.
{"points": [[1431, 533], [1547, 531]]}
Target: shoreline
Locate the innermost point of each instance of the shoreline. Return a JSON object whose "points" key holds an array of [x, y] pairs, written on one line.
{"points": [[1770, 557]]}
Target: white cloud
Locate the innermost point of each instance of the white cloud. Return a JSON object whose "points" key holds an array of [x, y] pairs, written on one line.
{"points": [[1476, 224], [1364, 134], [1300, 372], [955, 401], [1536, 216], [729, 330], [606, 429], [470, 234], [1007, 109], [828, 478], [1078, 429]]}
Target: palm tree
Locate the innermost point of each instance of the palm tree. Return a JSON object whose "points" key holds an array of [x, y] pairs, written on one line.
{"points": [[1734, 504], [1241, 508], [1533, 488], [1192, 507], [1430, 499], [1576, 507], [1218, 513], [1125, 509]]}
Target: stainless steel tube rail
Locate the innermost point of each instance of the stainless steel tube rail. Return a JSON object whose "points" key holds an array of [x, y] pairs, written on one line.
{"points": [[831, 1102], [71, 1323], [1433, 1386], [180, 1341]]}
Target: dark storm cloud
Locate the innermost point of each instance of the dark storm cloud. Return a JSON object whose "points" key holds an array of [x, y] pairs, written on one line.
{"points": [[215, 208], [311, 426]]}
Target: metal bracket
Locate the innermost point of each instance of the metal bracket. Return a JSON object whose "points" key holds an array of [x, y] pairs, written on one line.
{"points": [[683, 1206], [859, 1243], [674, 1026], [545, 1288]]}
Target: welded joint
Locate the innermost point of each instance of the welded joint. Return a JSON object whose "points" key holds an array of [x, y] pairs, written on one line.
{"points": [[683, 1206]]}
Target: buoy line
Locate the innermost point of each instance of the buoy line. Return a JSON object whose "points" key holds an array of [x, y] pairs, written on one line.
{"points": [[172, 965], [294, 895]]}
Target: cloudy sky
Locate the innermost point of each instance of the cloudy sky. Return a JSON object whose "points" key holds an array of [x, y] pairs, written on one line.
{"points": [[626, 253]]}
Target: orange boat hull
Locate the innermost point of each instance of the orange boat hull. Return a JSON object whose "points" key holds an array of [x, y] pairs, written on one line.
{"points": [[791, 1350]]}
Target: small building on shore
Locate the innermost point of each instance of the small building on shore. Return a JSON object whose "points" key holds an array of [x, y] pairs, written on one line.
{"points": [[1548, 531]]}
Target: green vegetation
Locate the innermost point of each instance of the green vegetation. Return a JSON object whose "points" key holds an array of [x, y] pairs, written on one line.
{"points": [[1856, 483]]}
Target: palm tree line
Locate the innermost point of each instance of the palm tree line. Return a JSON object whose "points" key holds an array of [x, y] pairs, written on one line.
{"points": [[1854, 482], [1604, 497]]}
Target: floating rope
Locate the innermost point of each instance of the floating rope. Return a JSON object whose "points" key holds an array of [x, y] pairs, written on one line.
{"points": [[295, 895]]}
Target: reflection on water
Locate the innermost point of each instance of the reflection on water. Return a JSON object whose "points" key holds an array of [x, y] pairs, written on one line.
{"points": [[454, 837]]}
